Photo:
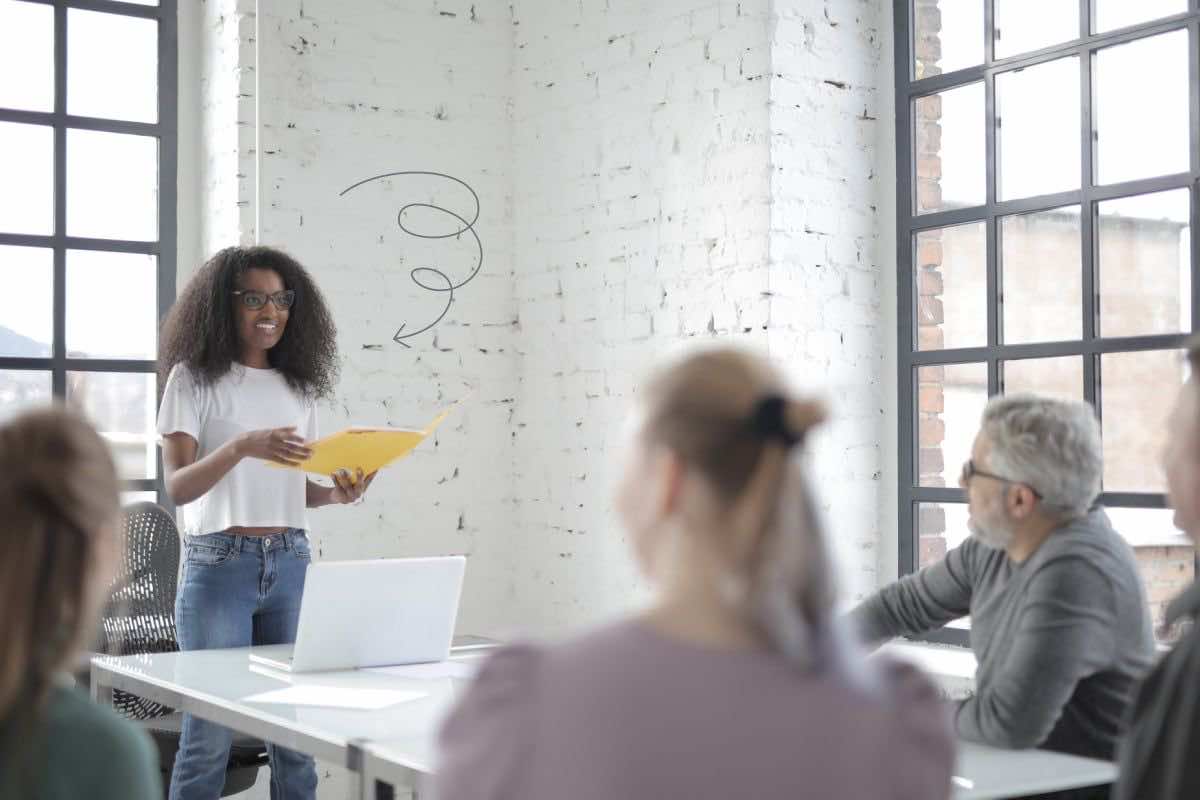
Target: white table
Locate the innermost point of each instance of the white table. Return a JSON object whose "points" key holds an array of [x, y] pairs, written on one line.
{"points": [[989, 773], [982, 773], [390, 764], [394, 746], [214, 685]]}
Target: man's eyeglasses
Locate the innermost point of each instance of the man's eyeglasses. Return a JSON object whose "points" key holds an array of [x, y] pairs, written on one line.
{"points": [[969, 471], [256, 300]]}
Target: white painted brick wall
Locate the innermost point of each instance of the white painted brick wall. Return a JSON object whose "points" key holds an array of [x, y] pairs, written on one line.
{"points": [[641, 209], [828, 261], [227, 112], [652, 173]]}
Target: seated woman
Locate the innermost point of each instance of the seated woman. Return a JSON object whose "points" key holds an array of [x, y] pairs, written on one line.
{"points": [[59, 544], [737, 682]]}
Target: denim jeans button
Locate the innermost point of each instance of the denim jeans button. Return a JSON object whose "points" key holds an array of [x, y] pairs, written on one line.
{"points": [[267, 541]]}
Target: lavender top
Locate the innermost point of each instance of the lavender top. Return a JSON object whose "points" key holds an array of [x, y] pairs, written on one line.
{"points": [[628, 712]]}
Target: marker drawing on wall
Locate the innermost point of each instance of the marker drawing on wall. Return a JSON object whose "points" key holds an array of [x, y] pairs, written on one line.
{"points": [[430, 278]]}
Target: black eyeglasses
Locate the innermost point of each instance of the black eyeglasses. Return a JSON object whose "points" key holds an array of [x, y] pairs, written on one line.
{"points": [[969, 471], [256, 300]]}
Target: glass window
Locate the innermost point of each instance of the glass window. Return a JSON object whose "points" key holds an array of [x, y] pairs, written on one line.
{"points": [[951, 285], [1109, 15], [26, 56], [21, 389], [950, 401], [950, 168], [112, 185], [27, 302], [1144, 260], [1138, 390], [1037, 129], [98, 282], [1042, 276], [122, 407], [82, 264], [1142, 112], [1022, 26], [1055, 377], [1089, 271], [27, 169], [112, 66], [941, 527], [1166, 558], [947, 36]]}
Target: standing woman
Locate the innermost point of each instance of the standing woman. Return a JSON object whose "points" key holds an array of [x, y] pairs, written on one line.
{"points": [[247, 350]]}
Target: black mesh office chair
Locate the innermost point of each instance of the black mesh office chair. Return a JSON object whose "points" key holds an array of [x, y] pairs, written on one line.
{"points": [[140, 618]]}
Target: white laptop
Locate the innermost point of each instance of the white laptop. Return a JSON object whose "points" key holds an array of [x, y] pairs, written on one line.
{"points": [[372, 614]]}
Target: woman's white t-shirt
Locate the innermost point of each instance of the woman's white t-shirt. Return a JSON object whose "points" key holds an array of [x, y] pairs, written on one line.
{"points": [[253, 493]]}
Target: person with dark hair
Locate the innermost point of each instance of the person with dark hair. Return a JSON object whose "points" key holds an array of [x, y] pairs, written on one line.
{"points": [[738, 681], [1158, 754], [59, 548], [247, 350]]}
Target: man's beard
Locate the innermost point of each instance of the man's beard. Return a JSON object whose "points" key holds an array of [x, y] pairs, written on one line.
{"points": [[993, 533]]}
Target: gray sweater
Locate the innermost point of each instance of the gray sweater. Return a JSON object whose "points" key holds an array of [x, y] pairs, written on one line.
{"points": [[1061, 639]]}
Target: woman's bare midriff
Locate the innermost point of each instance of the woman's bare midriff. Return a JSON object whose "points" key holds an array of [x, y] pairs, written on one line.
{"points": [[240, 531]]}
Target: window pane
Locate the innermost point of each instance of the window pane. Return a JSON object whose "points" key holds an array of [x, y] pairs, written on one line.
{"points": [[1137, 390], [20, 389], [98, 282], [949, 155], [129, 498], [1037, 129], [1112, 14], [1061, 378], [121, 406], [1142, 108], [27, 170], [1166, 557], [27, 302], [112, 185], [112, 66], [950, 401], [940, 528], [951, 285], [1022, 26], [1042, 276], [1144, 264], [947, 35], [26, 56]]}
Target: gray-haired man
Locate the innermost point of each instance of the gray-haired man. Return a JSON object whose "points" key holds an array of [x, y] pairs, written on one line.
{"points": [[1059, 623]]}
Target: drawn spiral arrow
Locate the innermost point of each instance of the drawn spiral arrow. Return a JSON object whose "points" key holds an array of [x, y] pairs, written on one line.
{"points": [[419, 274]]}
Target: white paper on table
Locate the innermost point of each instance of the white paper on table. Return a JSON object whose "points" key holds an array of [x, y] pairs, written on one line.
{"points": [[433, 671], [335, 697]]}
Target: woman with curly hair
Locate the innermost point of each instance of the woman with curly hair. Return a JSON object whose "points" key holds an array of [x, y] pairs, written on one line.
{"points": [[247, 350]]}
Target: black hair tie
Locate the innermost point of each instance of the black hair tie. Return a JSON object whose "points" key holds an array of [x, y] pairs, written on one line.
{"points": [[769, 421]]}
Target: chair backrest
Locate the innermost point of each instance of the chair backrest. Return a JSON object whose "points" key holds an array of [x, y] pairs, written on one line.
{"points": [[139, 616]]}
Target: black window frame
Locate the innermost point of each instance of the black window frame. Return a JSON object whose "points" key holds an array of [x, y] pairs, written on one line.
{"points": [[165, 130], [909, 223]]}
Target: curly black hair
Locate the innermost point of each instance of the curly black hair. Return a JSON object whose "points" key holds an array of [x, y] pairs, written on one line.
{"points": [[201, 328]]}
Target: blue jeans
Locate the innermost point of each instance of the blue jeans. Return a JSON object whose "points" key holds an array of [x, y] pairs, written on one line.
{"points": [[237, 591]]}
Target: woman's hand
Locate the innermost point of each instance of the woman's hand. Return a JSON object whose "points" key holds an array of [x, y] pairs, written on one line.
{"points": [[349, 488], [281, 445]]}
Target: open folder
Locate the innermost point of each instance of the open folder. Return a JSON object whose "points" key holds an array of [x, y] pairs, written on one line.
{"points": [[368, 449]]}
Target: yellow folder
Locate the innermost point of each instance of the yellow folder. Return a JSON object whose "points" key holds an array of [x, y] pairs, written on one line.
{"points": [[368, 449]]}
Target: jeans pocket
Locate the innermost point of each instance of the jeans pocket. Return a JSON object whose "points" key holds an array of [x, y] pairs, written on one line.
{"points": [[205, 554], [302, 548]]}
